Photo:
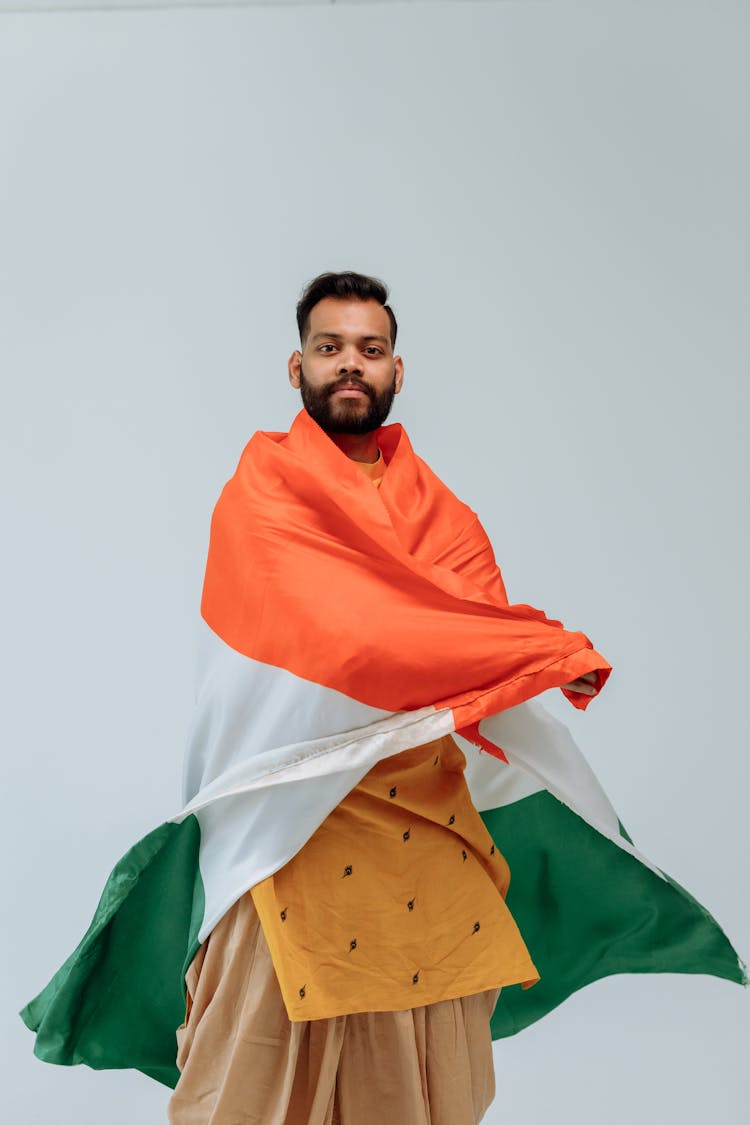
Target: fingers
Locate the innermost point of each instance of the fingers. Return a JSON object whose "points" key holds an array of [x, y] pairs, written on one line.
{"points": [[584, 687]]}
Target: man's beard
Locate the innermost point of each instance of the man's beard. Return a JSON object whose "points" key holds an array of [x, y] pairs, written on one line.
{"points": [[345, 416]]}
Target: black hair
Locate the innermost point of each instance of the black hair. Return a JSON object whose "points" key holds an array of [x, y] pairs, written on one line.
{"points": [[343, 286]]}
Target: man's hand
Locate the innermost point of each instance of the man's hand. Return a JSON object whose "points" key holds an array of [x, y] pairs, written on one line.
{"points": [[584, 684]]}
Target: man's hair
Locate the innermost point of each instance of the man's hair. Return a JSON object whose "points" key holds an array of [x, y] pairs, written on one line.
{"points": [[345, 286]]}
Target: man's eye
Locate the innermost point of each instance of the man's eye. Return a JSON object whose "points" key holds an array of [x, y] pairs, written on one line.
{"points": [[323, 347], [373, 349]]}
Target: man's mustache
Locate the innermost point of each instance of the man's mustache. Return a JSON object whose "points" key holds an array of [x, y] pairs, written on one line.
{"points": [[349, 382]]}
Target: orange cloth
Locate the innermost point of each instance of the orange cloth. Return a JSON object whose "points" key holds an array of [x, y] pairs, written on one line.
{"points": [[398, 899]]}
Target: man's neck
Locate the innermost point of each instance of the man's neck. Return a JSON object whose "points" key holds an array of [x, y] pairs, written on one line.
{"points": [[359, 447]]}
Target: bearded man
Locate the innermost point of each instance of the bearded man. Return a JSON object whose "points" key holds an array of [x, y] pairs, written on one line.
{"points": [[350, 1044]]}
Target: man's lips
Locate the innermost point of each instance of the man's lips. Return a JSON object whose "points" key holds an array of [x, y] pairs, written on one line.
{"points": [[350, 392]]}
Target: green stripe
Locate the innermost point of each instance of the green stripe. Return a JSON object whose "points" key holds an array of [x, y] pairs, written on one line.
{"points": [[119, 997], [587, 909]]}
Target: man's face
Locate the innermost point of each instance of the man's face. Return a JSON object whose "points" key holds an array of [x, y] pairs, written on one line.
{"points": [[347, 372]]}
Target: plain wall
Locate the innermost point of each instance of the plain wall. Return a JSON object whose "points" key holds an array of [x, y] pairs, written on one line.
{"points": [[557, 195]]}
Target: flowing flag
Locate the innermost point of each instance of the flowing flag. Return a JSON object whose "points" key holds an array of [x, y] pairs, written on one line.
{"points": [[341, 625]]}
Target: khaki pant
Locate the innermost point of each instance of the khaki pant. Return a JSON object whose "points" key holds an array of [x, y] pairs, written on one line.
{"points": [[243, 1062]]}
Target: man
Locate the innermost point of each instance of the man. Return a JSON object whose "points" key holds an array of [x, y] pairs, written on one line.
{"points": [[326, 913], [362, 1067]]}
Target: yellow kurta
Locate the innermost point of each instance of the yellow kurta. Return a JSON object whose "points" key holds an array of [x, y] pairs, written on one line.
{"points": [[398, 898]]}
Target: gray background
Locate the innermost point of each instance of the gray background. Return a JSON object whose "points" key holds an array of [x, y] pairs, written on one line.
{"points": [[556, 194]]}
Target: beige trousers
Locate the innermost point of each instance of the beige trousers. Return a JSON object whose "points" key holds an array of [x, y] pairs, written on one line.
{"points": [[243, 1062]]}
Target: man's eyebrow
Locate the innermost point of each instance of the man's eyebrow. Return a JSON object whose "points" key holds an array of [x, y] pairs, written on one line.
{"points": [[337, 336]]}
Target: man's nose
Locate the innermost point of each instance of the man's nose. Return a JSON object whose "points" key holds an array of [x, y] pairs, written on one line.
{"points": [[349, 362]]}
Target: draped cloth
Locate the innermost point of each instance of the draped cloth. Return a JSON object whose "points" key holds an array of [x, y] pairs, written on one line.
{"points": [[342, 625]]}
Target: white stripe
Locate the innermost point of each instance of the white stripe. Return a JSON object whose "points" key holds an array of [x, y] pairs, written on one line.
{"points": [[269, 756], [493, 784], [247, 710]]}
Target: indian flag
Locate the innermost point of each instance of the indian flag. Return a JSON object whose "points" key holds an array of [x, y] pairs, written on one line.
{"points": [[341, 626]]}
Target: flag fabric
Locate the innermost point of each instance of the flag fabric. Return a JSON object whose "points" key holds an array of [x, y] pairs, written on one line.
{"points": [[340, 625]]}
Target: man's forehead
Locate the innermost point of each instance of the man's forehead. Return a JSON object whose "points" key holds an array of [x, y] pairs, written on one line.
{"points": [[335, 317]]}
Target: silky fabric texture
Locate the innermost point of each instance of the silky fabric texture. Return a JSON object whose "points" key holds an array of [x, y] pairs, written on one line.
{"points": [[299, 532], [398, 898], [243, 1062]]}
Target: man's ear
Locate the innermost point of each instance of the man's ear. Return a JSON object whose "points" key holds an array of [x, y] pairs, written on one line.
{"points": [[295, 361], [398, 365]]}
